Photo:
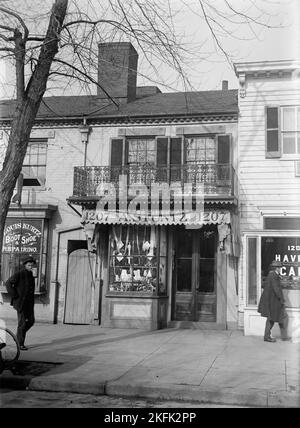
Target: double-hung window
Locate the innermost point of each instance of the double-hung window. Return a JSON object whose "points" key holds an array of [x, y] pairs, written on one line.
{"points": [[283, 132], [290, 131], [34, 165]]}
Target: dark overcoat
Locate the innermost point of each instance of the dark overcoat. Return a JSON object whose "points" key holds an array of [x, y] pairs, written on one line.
{"points": [[20, 287], [271, 304]]}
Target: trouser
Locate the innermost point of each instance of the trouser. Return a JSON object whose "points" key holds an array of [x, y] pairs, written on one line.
{"points": [[25, 322], [282, 325]]}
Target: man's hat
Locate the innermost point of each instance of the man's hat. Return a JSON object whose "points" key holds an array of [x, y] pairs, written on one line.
{"points": [[276, 263], [28, 259]]}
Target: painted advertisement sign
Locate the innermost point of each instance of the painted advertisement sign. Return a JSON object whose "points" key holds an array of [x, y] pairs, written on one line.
{"points": [[287, 251], [22, 236]]}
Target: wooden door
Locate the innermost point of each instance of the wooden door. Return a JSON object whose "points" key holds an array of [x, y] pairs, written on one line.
{"points": [[79, 293], [184, 275], [206, 288], [194, 275]]}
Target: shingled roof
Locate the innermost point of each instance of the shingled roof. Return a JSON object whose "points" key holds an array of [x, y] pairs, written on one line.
{"points": [[159, 104]]}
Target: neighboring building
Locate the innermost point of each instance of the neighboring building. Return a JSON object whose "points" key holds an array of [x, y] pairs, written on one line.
{"points": [[153, 269], [269, 178]]}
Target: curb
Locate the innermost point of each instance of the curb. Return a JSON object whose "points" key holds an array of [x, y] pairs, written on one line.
{"points": [[189, 393], [14, 381], [57, 385], [167, 392]]}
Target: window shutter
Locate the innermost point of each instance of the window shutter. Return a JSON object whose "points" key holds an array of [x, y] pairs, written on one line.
{"points": [[175, 151], [175, 159], [273, 149], [116, 152], [162, 151], [223, 149], [116, 158]]}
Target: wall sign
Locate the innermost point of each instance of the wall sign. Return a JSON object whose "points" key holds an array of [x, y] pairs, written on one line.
{"points": [[189, 219], [22, 236], [287, 251]]}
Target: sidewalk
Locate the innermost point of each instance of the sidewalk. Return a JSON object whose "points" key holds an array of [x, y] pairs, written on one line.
{"points": [[222, 367]]}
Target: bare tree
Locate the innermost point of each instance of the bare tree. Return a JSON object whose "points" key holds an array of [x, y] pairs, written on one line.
{"points": [[61, 42]]}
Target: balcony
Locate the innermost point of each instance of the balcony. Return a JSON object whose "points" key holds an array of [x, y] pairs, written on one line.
{"points": [[218, 180]]}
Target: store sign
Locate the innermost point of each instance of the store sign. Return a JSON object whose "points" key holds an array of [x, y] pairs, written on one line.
{"points": [[188, 219], [287, 251], [22, 236]]}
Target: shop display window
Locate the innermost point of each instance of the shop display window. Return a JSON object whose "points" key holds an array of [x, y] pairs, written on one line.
{"points": [[287, 251], [137, 260], [261, 251]]}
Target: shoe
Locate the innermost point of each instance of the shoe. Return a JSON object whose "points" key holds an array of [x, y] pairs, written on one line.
{"points": [[285, 338], [269, 339], [23, 348]]}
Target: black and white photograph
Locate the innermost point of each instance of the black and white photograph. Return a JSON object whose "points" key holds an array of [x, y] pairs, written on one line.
{"points": [[150, 206]]}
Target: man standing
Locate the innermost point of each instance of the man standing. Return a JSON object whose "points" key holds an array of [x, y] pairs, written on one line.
{"points": [[271, 304], [21, 288]]}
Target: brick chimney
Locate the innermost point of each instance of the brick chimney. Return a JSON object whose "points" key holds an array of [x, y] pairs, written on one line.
{"points": [[117, 70]]}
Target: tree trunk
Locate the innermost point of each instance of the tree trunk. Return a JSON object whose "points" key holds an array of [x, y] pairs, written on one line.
{"points": [[28, 103]]}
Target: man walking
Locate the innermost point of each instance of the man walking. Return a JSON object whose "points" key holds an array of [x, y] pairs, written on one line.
{"points": [[271, 304], [21, 286]]}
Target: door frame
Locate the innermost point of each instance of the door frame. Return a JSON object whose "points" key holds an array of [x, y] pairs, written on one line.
{"points": [[220, 285], [74, 245]]}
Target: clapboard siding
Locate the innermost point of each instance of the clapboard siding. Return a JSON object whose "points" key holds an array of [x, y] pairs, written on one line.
{"points": [[263, 182]]}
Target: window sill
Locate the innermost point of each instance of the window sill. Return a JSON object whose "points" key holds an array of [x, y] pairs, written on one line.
{"points": [[289, 158]]}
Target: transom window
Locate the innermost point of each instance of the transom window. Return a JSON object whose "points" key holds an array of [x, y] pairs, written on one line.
{"points": [[291, 130], [34, 165]]}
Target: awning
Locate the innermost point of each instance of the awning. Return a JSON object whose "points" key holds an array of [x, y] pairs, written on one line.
{"points": [[193, 218]]}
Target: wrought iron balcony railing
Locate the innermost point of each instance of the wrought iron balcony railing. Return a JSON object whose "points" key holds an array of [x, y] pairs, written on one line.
{"points": [[217, 179]]}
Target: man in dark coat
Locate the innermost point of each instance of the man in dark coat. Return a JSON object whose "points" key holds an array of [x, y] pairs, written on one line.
{"points": [[271, 304], [21, 286]]}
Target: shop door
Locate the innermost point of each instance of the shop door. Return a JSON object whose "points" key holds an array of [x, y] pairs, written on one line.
{"points": [[194, 276], [78, 305]]}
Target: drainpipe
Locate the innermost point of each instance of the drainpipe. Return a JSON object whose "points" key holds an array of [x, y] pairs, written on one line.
{"points": [[84, 129]]}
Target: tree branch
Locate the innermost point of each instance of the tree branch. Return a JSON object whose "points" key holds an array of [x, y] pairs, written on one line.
{"points": [[15, 15], [87, 77], [4, 27]]}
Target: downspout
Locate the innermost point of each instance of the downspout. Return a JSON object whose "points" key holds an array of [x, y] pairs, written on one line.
{"points": [[84, 129]]}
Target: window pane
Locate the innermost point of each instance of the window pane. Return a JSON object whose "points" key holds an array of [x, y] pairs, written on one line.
{"points": [[298, 119], [252, 272], [272, 118], [207, 276], [42, 159], [33, 160], [210, 155], [289, 143], [272, 141], [151, 157], [151, 145], [42, 174], [282, 223], [298, 143], [210, 144], [289, 123], [133, 260], [287, 251], [184, 275]]}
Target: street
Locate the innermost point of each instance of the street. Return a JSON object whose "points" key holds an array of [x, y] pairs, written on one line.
{"points": [[41, 399]]}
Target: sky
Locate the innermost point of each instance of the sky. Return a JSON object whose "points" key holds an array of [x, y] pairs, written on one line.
{"points": [[208, 66]]}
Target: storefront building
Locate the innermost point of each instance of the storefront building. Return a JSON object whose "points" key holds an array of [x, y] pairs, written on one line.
{"points": [[130, 212], [269, 160]]}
